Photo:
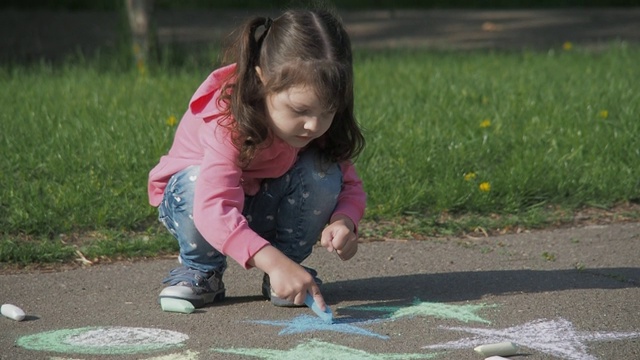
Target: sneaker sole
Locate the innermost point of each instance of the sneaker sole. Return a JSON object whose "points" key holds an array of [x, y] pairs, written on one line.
{"points": [[197, 301]]}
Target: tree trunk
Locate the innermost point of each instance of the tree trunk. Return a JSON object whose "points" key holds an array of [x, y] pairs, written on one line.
{"points": [[139, 14]]}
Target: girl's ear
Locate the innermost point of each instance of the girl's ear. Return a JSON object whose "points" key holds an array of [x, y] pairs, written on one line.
{"points": [[259, 72]]}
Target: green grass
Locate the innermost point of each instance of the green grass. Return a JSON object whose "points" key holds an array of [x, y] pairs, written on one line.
{"points": [[79, 139], [563, 130]]}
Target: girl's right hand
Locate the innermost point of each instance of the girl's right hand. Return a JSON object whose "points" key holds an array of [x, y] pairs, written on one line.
{"points": [[292, 282], [288, 280]]}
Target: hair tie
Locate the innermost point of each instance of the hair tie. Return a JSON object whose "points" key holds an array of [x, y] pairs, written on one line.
{"points": [[267, 24]]}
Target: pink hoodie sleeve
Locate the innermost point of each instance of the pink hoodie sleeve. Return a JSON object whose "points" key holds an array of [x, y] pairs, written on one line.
{"points": [[219, 196], [352, 199], [219, 199]]}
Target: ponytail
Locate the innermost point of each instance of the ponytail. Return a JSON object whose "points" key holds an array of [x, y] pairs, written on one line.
{"points": [[244, 94], [248, 53]]}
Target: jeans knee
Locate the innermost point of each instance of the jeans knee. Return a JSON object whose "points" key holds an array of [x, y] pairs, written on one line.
{"points": [[319, 176]]}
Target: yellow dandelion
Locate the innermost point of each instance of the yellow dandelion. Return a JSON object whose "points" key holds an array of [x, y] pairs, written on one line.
{"points": [[469, 176], [485, 186], [172, 121], [567, 46], [604, 114], [142, 69], [485, 123]]}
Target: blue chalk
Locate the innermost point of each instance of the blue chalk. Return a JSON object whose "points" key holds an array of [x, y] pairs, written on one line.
{"points": [[326, 315]]}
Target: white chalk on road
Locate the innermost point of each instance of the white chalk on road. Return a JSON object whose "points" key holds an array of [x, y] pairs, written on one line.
{"points": [[176, 305], [12, 312], [496, 358], [506, 348]]}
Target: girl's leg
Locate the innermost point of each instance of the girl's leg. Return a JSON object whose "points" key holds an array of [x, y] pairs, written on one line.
{"points": [[199, 280], [291, 211]]}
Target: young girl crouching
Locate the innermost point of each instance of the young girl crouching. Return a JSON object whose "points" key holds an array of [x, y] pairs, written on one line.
{"points": [[260, 166]]}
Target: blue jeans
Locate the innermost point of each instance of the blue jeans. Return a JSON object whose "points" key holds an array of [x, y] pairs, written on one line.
{"points": [[290, 211]]}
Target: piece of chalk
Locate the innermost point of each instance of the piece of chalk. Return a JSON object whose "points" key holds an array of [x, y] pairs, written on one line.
{"points": [[176, 305], [326, 315], [12, 312], [496, 358], [506, 348]]}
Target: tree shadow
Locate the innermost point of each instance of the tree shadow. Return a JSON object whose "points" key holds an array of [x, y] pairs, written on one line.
{"points": [[490, 29]]}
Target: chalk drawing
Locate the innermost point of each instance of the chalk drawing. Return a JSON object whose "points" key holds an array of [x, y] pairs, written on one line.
{"points": [[318, 350], [463, 313], [554, 337], [187, 355], [103, 340], [307, 323]]}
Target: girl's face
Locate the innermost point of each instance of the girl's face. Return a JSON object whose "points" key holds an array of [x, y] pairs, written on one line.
{"points": [[297, 116]]}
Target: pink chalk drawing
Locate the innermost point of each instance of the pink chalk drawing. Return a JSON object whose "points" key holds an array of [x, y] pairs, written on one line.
{"points": [[315, 349], [556, 337]]}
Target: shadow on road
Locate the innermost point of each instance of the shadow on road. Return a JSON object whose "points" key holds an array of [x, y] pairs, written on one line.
{"points": [[32, 35], [468, 285]]}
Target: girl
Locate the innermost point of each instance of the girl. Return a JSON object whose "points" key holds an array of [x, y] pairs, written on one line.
{"points": [[260, 165]]}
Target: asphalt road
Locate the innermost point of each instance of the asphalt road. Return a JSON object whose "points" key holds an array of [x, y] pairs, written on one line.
{"points": [[29, 35], [561, 294]]}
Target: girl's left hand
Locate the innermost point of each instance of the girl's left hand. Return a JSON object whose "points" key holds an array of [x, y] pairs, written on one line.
{"points": [[339, 235]]}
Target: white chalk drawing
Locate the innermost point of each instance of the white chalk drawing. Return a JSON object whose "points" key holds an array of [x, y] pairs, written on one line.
{"points": [[553, 337], [315, 349], [307, 323], [187, 355], [103, 340], [557, 337]]}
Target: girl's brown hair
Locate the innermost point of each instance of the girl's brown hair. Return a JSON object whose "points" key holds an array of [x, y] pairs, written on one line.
{"points": [[301, 47]]}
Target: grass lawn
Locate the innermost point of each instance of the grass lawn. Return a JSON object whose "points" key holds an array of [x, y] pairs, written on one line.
{"points": [[457, 141]]}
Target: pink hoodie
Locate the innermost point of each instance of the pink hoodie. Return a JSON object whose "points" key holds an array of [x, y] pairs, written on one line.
{"points": [[222, 184]]}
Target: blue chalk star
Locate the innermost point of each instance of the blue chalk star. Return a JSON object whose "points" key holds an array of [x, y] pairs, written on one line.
{"points": [[307, 323]]}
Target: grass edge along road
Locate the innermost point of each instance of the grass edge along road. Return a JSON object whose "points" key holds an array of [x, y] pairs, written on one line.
{"points": [[505, 141]]}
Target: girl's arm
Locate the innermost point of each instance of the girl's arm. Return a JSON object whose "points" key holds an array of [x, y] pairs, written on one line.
{"points": [[341, 234], [352, 199]]}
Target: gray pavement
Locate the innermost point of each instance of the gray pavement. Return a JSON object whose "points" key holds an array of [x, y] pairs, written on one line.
{"points": [[29, 35], [559, 294]]}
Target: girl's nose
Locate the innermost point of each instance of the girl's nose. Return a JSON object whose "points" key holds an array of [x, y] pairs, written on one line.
{"points": [[311, 124]]}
